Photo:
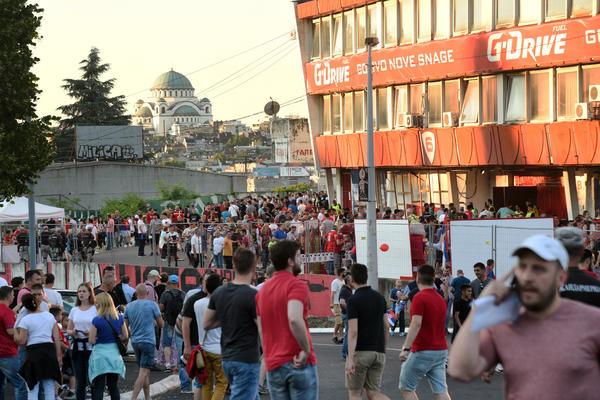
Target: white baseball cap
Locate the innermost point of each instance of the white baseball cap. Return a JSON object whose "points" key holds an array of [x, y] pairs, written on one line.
{"points": [[546, 248]]}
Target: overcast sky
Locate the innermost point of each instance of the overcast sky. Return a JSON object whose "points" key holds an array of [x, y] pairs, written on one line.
{"points": [[142, 39]]}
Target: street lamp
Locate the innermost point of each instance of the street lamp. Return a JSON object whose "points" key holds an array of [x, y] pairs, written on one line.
{"points": [[373, 279]]}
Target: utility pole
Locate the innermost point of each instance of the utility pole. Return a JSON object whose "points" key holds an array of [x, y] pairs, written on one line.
{"points": [[32, 232]]}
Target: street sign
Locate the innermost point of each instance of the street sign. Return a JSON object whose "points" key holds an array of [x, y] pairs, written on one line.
{"points": [[363, 184]]}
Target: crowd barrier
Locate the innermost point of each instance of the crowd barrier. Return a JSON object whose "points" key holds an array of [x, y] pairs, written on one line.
{"points": [[69, 275]]}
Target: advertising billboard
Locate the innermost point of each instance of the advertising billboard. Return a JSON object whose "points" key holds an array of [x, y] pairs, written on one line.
{"points": [[113, 143]]}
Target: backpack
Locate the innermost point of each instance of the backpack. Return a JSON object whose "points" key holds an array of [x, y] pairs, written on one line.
{"points": [[173, 306]]}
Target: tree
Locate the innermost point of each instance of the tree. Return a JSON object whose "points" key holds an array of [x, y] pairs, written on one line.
{"points": [[93, 104], [24, 150], [174, 192], [127, 205]]}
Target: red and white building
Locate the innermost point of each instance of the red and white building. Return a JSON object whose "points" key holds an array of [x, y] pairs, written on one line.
{"points": [[473, 99]]}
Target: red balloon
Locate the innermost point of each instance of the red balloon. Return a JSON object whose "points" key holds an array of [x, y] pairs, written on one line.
{"points": [[384, 247]]}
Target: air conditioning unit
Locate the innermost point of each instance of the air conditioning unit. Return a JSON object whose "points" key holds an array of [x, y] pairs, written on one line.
{"points": [[450, 119], [582, 110], [410, 120], [594, 93]]}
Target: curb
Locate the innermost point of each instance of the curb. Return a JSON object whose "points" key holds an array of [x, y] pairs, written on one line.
{"points": [[164, 385], [321, 330]]}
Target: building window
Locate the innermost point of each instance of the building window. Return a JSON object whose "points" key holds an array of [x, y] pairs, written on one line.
{"points": [[556, 9], [591, 76], [505, 13], [348, 32], [337, 35], [361, 28], [566, 92], [489, 99], [348, 112], [406, 21], [442, 19], [359, 121], [326, 37], [382, 109], [451, 91], [515, 98], [434, 102], [581, 7], [416, 98], [480, 16], [401, 106], [529, 12], [539, 95], [162, 110], [336, 113], [470, 103], [207, 110], [390, 15], [374, 26], [316, 45], [461, 16], [326, 113], [424, 20]]}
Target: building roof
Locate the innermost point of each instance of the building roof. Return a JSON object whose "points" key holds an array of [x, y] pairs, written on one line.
{"points": [[186, 110], [205, 100], [172, 80], [143, 112]]}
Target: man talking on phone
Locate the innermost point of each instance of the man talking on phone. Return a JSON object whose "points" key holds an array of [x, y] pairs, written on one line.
{"points": [[552, 349]]}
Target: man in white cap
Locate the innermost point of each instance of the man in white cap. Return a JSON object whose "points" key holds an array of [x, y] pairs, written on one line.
{"points": [[150, 283], [552, 350]]}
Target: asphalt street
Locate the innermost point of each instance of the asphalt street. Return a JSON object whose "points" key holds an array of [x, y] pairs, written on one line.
{"points": [[128, 255]]}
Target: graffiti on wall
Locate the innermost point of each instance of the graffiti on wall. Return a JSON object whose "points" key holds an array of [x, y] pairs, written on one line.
{"points": [[106, 152]]}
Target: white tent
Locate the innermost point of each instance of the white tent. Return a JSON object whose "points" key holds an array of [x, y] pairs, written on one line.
{"points": [[18, 210]]}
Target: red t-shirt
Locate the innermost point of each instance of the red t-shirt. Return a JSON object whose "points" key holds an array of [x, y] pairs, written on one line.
{"points": [[279, 345], [331, 245], [8, 347], [178, 216], [431, 306], [148, 217]]}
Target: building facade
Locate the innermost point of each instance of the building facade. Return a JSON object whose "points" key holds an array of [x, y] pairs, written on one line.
{"points": [[472, 99]]}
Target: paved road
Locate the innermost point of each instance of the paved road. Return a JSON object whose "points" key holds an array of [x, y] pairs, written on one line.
{"points": [[128, 255]]}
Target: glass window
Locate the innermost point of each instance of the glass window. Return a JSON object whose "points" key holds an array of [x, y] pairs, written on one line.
{"points": [[406, 21], [373, 20], [390, 15], [451, 96], [359, 121], [401, 107], [434, 100], [489, 97], [424, 19], [316, 47], [591, 76], [470, 104], [556, 9], [505, 12], [566, 92], [461, 16], [348, 112], [480, 15], [337, 35], [442, 18], [529, 11], [515, 110], [348, 32], [382, 109], [581, 7], [539, 96], [336, 109], [416, 98], [326, 113], [325, 37], [361, 28]]}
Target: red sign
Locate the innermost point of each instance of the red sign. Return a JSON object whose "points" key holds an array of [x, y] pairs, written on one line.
{"points": [[428, 140], [560, 43]]}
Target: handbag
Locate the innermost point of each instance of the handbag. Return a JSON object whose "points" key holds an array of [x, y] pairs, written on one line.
{"points": [[200, 354], [120, 345]]}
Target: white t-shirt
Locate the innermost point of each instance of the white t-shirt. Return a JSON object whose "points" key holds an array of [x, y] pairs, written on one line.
{"points": [[23, 312], [195, 243], [213, 338], [166, 222], [218, 244], [233, 210], [336, 286], [82, 321], [3, 282], [39, 327], [53, 297]]}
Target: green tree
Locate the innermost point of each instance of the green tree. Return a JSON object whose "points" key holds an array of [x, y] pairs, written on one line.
{"points": [[127, 205], [220, 157], [92, 106], [24, 150], [174, 192]]}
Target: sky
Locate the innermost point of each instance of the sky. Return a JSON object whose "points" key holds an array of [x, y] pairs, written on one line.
{"points": [[142, 39]]}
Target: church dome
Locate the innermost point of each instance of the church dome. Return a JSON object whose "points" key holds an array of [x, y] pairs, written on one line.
{"points": [[205, 100], [140, 101], [172, 80], [186, 111], [144, 112], [161, 100]]}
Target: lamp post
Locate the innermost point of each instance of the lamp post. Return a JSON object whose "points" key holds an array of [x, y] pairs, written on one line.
{"points": [[373, 279]]}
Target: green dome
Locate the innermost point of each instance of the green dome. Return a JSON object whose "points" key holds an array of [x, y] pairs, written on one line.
{"points": [[186, 110], [144, 112], [172, 80]]}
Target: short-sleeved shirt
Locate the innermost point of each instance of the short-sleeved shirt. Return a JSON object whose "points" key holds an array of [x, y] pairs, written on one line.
{"points": [[457, 282], [368, 306], [39, 327], [236, 310], [141, 315], [478, 286], [53, 297], [462, 307], [336, 285], [279, 344], [345, 293], [432, 308], [212, 343], [188, 311], [82, 321], [553, 358], [104, 333], [581, 287], [8, 347]]}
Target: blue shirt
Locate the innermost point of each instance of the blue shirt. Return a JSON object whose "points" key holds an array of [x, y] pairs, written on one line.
{"points": [[225, 214], [128, 291], [458, 282], [141, 315], [394, 294], [105, 334], [293, 208], [279, 234]]}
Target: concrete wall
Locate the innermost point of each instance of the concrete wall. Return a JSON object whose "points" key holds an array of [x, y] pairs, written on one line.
{"points": [[92, 182]]}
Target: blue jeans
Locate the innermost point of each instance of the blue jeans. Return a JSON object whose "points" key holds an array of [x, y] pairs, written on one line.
{"points": [[184, 379], [109, 240], [167, 337], [345, 345], [430, 363], [330, 267], [286, 382], [243, 379], [448, 312], [219, 260], [48, 388], [9, 369]]}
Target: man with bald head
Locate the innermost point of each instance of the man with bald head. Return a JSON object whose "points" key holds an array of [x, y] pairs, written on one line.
{"points": [[141, 315]]}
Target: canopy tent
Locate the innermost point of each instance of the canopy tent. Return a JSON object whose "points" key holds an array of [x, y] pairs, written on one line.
{"points": [[17, 209]]}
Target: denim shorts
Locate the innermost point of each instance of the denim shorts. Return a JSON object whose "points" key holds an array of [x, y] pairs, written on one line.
{"points": [[144, 354], [288, 382], [167, 335], [243, 379], [430, 363]]}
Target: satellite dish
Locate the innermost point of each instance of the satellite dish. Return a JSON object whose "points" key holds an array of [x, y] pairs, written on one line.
{"points": [[272, 108]]}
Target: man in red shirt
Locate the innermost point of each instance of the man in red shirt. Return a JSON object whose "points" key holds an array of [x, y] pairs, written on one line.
{"points": [[333, 244], [425, 350], [282, 310], [9, 360]]}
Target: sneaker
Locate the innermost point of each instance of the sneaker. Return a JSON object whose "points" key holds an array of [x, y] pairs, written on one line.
{"points": [[262, 390], [402, 334], [335, 340], [187, 391], [392, 333]]}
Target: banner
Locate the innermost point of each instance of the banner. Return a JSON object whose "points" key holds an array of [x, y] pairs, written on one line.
{"points": [[560, 43], [293, 171]]}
